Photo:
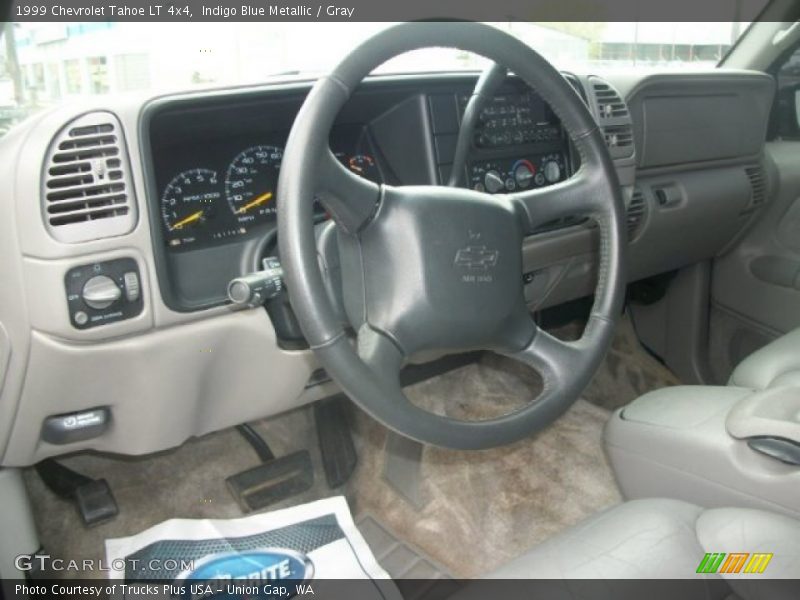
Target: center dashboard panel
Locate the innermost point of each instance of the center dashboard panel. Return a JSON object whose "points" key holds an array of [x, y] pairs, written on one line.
{"points": [[214, 163], [519, 142]]}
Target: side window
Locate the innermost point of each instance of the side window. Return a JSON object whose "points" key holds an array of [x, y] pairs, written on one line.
{"points": [[786, 112]]}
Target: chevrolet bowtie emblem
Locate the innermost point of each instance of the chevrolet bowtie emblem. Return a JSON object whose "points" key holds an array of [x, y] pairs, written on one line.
{"points": [[477, 257]]}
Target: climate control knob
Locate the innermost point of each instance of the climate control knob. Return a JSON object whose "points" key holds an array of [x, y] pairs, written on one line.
{"points": [[523, 173], [552, 171], [493, 182]]}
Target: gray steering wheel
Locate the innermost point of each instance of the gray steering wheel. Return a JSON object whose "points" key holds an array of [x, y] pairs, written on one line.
{"points": [[431, 268]]}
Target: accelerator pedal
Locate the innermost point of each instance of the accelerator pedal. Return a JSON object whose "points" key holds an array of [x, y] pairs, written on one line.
{"points": [[339, 457], [93, 497], [275, 479]]}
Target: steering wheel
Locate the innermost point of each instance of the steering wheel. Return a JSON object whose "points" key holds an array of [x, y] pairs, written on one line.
{"points": [[432, 268]]}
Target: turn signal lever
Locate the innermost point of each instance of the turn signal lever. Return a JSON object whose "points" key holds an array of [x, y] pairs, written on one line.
{"points": [[254, 289]]}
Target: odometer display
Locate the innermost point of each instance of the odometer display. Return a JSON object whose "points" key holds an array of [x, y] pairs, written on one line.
{"points": [[251, 182]]}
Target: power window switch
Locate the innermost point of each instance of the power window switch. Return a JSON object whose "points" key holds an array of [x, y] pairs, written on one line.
{"points": [[132, 290]]}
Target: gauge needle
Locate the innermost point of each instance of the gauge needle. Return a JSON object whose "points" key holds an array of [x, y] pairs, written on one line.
{"points": [[257, 201], [190, 219]]}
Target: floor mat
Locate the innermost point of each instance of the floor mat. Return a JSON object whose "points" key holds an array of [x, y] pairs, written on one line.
{"points": [[627, 372], [400, 559], [505, 500]]}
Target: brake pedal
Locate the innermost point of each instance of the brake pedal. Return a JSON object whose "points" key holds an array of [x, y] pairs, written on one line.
{"points": [[272, 481]]}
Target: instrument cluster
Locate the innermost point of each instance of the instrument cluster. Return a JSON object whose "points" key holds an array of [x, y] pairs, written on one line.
{"points": [[218, 199]]}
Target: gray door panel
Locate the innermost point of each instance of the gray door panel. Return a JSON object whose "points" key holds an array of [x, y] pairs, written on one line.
{"points": [[755, 289]]}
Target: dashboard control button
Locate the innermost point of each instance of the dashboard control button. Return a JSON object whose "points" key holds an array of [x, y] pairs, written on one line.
{"points": [[100, 292], [81, 318], [552, 171], [493, 182], [523, 173], [132, 291]]}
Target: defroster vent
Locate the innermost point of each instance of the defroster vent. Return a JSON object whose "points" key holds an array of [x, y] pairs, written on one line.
{"points": [[87, 188]]}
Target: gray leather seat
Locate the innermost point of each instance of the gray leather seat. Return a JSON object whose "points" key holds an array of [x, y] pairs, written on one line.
{"points": [[776, 364], [667, 539]]}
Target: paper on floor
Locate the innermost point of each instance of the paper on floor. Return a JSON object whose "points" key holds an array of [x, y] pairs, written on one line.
{"points": [[273, 555]]}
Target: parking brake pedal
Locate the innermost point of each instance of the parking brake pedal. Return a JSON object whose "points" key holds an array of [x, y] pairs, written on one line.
{"points": [[275, 479], [93, 497]]}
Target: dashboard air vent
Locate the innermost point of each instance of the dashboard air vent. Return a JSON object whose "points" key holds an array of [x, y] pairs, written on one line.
{"points": [[609, 103], [86, 184], [635, 214], [758, 184], [618, 137], [613, 117]]}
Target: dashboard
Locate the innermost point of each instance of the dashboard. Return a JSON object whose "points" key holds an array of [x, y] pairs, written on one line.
{"points": [[128, 217], [215, 168]]}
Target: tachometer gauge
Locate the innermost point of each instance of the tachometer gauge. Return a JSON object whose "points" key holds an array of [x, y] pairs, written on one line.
{"points": [[251, 181], [188, 202]]}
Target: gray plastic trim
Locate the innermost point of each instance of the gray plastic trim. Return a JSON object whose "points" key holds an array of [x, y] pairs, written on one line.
{"points": [[677, 326], [5, 355], [16, 523], [773, 365], [773, 413], [740, 284], [673, 443], [160, 388]]}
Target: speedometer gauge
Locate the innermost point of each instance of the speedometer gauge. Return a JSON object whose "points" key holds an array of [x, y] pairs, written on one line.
{"points": [[251, 182], [188, 202]]}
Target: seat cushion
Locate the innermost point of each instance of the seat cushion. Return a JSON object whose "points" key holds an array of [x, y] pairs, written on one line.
{"points": [[775, 364], [668, 539], [732, 530], [652, 538]]}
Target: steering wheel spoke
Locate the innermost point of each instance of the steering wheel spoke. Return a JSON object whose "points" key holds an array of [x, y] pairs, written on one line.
{"points": [[350, 199], [575, 197]]}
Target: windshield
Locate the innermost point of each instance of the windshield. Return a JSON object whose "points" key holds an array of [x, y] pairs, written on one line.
{"points": [[46, 63]]}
